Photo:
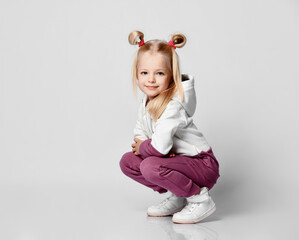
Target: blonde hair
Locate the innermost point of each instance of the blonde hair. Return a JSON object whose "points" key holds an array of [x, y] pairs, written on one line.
{"points": [[157, 105]]}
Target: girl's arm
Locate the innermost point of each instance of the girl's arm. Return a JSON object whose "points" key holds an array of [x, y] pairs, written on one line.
{"points": [[146, 149], [161, 143]]}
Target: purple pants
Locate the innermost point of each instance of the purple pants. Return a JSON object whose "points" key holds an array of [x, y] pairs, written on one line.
{"points": [[181, 175]]}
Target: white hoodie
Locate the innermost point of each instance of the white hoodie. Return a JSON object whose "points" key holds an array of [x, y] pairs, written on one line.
{"points": [[174, 130]]}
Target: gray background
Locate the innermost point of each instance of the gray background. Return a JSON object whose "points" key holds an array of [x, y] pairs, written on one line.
{"points": [[67, 113]]}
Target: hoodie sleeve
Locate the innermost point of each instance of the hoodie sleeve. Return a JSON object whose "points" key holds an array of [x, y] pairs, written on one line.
{"points": [[139, 130], [161, 142]]}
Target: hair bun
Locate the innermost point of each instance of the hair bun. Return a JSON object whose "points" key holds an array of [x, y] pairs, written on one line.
{"points": [[135, 37], [178, 39]]}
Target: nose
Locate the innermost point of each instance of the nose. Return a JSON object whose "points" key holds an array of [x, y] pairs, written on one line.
{"points": [[151, 78]]}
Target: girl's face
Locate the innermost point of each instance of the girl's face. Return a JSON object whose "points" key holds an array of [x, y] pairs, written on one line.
{"points": [[153, 74]]}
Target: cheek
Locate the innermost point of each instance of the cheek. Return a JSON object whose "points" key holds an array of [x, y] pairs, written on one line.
{"points": [[166, 82], [140, 83]]}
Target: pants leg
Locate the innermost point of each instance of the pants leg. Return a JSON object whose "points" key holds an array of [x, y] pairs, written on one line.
{"points": [[182, 175], [130, 166]]}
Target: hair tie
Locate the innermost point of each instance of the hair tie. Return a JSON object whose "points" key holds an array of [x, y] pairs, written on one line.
{"points": [[171, 44], [141, 43]]}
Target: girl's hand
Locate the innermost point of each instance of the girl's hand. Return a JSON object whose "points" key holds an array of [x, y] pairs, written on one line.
{"points": [[171, 154], [135, 146]]}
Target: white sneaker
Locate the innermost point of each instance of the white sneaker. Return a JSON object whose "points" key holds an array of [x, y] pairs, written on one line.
{"points": [[167, 207], [198, 208]]}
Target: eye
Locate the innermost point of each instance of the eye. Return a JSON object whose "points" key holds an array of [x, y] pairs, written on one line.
{"points": [[143, 73], [160, 73]]}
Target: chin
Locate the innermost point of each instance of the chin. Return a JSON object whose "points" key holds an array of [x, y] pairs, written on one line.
{"points": [[151, 95]]}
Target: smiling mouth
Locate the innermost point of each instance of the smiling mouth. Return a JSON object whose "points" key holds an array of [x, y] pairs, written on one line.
{"points": [[152, 87]]}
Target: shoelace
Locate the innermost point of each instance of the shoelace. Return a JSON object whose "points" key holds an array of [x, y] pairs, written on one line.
{"points": [[164, 201], [190, 207]]}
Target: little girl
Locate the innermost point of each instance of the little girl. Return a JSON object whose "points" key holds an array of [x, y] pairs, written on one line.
{"points": [[169, 153]]}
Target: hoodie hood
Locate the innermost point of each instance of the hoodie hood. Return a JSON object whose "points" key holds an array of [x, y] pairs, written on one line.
{"points": [[189, 100]]}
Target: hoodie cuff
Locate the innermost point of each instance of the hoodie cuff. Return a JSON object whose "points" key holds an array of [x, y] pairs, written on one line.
{"points": [[146, 150]]}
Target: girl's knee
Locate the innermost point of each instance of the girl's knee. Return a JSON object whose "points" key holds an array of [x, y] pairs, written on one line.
{"points": [[125, 160], [150, 168], [129, 161]]}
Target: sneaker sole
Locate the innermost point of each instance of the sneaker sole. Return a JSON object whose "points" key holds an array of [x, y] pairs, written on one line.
{"points": [[207, 214], [165, 214]]}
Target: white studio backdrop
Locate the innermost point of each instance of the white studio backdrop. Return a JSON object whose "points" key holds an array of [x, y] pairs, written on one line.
{"points": [[67, 109]]}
